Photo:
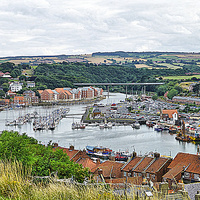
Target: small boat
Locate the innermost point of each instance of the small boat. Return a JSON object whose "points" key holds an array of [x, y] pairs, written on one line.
{"points": [[136, 125], [109, 125], [82, 126], [172, 130], [165, 128], [157, 128], [101, 126]]}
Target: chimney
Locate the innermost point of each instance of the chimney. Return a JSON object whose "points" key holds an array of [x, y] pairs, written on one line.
{"points": [[98, 161], [156, 155], [133, 155], [198, 150], [100, 171], [71, 148], [55, 145]]}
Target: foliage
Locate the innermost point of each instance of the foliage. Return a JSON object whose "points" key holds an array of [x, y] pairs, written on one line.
{"points": [[172, 93], [43, 159], [162, 90], [2, 93], [155, 97], [196, 88]]}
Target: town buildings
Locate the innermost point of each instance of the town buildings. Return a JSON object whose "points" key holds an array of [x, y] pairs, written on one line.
{"points": [[189, 100], [69, 94]]}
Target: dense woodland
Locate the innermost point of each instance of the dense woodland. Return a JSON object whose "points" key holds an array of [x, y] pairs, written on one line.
{"points": [[66, 74]]}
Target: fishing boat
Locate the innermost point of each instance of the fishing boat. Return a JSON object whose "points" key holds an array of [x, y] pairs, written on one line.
{"points": [[120, 156], [98, 151]]}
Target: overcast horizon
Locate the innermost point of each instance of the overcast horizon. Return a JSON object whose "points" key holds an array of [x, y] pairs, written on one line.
{"points": [[49, 27]]}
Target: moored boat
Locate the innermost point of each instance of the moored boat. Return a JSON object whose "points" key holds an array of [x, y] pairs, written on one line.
{"points": [[98, 151]]}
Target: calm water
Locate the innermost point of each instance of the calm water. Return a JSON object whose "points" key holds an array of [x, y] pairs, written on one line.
{"points": [[118, 138]]}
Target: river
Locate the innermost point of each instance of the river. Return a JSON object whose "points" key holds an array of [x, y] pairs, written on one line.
{"points": [[121, 138]]}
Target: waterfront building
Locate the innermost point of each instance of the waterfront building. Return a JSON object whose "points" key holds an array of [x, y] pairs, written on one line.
{"points": [[4, 102], [87, 93], [47, 95], [169, 115], [19, 101], [76, 93]]}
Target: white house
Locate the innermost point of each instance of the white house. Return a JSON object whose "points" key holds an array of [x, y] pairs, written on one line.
{"points": [[15, 86]]}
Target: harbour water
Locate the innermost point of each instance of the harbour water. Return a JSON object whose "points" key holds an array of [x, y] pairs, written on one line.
{"points": [[119, 138]]}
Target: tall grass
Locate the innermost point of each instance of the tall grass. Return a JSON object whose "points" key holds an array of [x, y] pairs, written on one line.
{"points": [[16, 183]]}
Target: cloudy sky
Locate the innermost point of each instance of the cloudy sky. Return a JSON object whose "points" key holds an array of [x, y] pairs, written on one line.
{"points": [[49, 27]]}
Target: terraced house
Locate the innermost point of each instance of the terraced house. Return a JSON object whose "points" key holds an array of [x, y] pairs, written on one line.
{"points": [[152, 168]]}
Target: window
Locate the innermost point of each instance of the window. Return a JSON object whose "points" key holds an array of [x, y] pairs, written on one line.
{"points": [[186, 175], [140, 174], [153, 176], [134, 174], [124, 173], [196, 177], [148, 175]]}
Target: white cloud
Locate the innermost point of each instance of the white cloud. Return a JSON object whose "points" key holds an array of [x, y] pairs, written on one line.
{"points": [[39, 27]]}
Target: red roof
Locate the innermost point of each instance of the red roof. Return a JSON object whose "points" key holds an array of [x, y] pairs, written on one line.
{"points": [[157, 164], [59, 90], [169, 112], [144, 163], [190, 162], [172, 173], [49, 91], [131, 164], [87, 162], [110, 169]]}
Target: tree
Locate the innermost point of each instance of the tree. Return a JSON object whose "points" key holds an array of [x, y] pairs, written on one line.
{"points": [[155, 97], [162, 90], [178, 88], [2, 93], [5, 87], [43, 159], [172, 93], [196, 88]]}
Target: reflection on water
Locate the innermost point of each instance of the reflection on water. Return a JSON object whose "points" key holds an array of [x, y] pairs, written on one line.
{"points": [[118, 138]]}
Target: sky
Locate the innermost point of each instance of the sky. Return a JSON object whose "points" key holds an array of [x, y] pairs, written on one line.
{"points": [[71, 27]]}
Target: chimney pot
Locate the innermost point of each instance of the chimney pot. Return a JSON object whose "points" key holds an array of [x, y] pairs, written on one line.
{"points": [[71, 148]]}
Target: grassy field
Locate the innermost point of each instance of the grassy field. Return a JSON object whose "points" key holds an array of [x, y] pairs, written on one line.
{"points": [[180, 77], [142, 65], [169, 66]]}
